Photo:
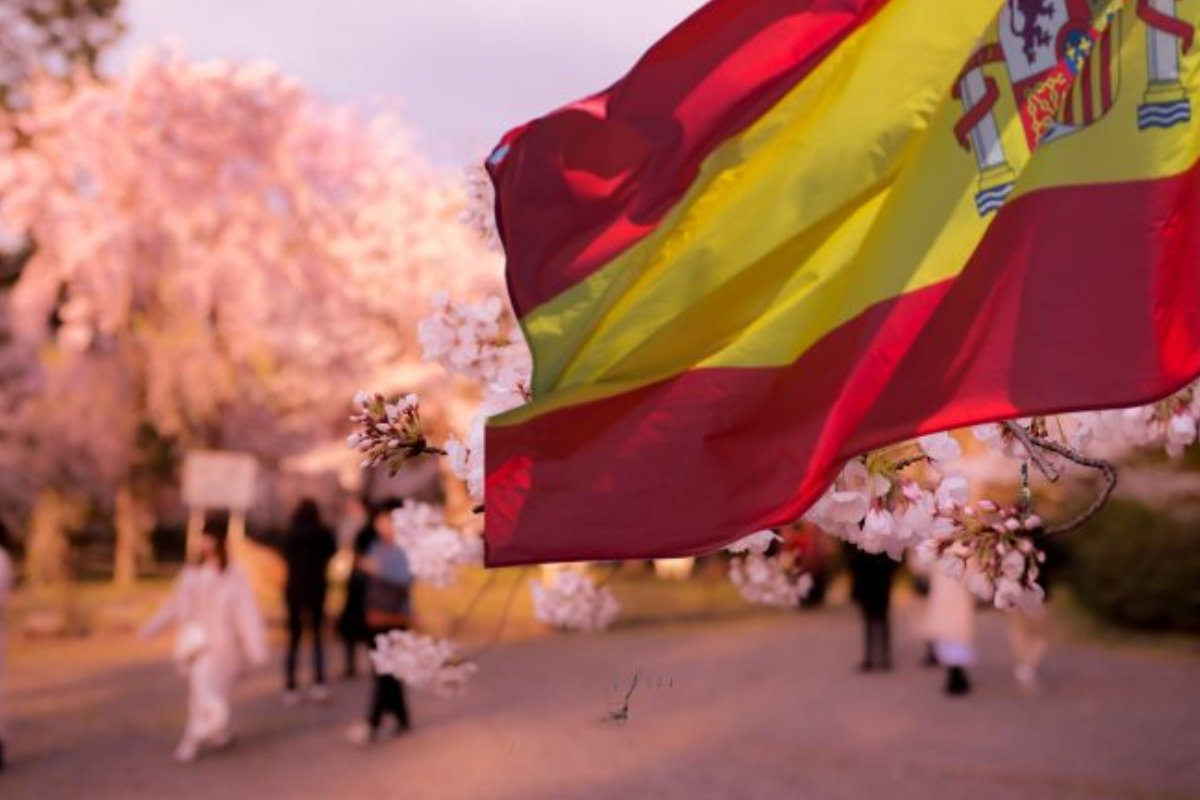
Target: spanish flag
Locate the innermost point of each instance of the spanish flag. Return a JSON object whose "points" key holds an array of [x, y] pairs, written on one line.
{"points": [[800, 230]]}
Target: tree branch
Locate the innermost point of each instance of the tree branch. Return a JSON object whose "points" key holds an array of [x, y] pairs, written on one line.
{"points": [[1105, 468], [457, 626], [1023, 436], [1033, 444], [505, 613], [905, 463]]}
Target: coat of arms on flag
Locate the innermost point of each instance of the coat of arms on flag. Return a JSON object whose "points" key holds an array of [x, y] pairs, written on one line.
{"points": [[1059, 59]]}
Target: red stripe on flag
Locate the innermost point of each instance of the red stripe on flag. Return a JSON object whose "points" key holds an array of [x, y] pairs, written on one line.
{"points": [[1054, 312], [582, 184]]}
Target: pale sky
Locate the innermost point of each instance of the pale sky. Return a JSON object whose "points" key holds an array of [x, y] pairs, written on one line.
{"points": [[464, 70]]}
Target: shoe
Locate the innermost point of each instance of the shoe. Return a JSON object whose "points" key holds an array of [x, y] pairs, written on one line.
{"points": [[957, 684], [291, 698], [187, 751], [866, 666], [360, 734], [319, 693]]}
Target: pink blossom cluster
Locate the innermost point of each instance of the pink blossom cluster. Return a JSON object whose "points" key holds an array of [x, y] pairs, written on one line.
{"points": [[569, 599], [769, 581], [766, 580], [875, 504], [759, 542], [476, 340], [435, 550], [422, 662], [480, 212], [482, 342], [991, 549], [389, 433], [466, 455], [1171, 424]]}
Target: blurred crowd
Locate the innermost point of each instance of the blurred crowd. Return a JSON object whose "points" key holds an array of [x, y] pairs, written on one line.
{"points": [[220, 630], [948, 618]]}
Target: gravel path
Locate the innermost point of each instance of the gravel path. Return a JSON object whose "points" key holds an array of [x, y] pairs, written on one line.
{"points": [[760, 707]]}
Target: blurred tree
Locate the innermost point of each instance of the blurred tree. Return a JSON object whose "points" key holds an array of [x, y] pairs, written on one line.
{"points": [[219, 255], [59, 39], [47, 40]]}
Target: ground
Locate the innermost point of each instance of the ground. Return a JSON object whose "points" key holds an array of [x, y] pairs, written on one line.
{"points": [[759, 706]]}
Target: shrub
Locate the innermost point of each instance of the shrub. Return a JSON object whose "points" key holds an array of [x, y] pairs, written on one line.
{"points": [[1139, 566]]}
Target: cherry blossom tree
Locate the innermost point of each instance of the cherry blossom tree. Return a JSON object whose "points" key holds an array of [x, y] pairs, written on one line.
{"points": [[215, 254], [55, 40]]}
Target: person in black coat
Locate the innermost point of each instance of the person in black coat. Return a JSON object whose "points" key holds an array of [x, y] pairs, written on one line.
{"points": [[871, 575], [307, 549]]}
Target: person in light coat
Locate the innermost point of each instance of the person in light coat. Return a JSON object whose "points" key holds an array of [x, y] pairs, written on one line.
{"points": [[950, 626], [7, 574], [219, 632]]}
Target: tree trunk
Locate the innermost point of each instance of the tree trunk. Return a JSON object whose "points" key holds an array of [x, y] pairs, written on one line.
{"points": [[46, 564], [134, 522], [48, 570]]}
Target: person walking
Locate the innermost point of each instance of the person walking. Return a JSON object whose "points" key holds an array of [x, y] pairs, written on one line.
{"points": [[352, 622], [7, 578], [871, 575], [388, 608], [307, 550], [950, 625], [919, 574], [219, 632], [1028, 628]]}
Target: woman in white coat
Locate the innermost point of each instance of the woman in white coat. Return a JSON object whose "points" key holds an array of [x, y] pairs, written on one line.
{"points": [[220, 631], [950, 626], [6, 582]]}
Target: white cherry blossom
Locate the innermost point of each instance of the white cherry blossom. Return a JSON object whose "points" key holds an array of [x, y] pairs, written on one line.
{"points": [[570, 600], [435, 550], [941, 447], [768, 581], [422, 662], [754, 543]]}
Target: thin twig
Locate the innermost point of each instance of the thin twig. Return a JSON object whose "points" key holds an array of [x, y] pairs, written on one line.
{"points": [[905, 463], [612, 573], [1105, 468], [1023, 436], [461, 620], [622, 713], [504, 615]]}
